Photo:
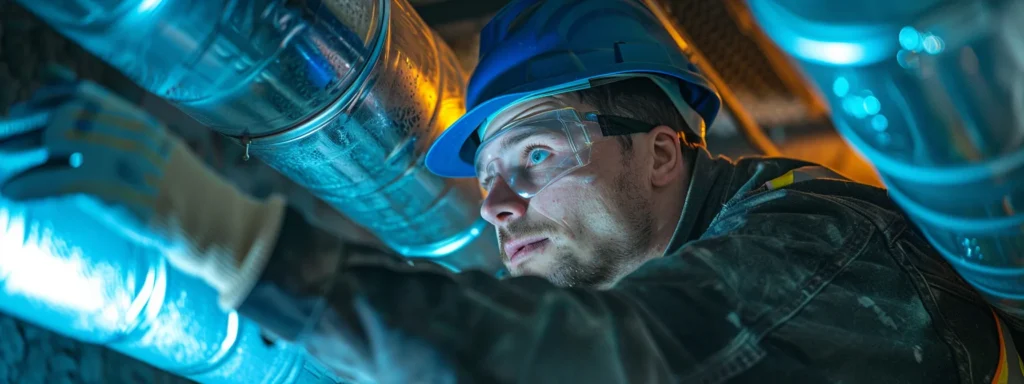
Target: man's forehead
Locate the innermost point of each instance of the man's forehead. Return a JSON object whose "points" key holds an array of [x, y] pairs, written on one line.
{"points": [[530, 108]]}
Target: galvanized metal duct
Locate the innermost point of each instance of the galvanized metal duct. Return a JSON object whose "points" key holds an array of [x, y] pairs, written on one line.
{"points": [[931, 92], [341, 96]]}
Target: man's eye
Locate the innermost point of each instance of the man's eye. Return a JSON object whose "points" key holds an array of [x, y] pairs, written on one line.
{"points": [[538, 156]]}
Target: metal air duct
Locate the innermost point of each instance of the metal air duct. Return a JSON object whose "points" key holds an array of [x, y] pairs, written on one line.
{"points": [[342, 96], [932, 93], [110, 291]]}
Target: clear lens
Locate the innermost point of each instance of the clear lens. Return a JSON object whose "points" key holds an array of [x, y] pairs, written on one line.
{"points": [[531, 153]]}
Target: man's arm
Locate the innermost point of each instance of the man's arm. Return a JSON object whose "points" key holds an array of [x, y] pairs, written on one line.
{"points": [[360, 309]]}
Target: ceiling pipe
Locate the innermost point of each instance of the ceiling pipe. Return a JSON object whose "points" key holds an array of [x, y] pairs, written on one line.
{"points": [[107, 290], [930, 92], [343, 97]]}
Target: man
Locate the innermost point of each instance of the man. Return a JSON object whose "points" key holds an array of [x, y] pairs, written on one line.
{"points": [[638, 256]]}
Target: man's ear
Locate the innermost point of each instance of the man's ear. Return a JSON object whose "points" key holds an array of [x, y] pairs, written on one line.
{"points": [[666, 155]]}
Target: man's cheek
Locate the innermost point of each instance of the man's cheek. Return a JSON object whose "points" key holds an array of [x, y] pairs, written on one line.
{"points": [[555, 203]]}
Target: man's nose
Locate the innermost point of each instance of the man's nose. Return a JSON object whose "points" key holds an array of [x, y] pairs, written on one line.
{"points": [[502, 205]]}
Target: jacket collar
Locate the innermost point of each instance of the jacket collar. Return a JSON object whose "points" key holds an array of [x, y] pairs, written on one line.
{"points": [[714, 181], [705, 196]]}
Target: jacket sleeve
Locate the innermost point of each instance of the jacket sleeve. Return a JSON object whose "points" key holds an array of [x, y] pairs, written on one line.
{"points": [[375, 317]]}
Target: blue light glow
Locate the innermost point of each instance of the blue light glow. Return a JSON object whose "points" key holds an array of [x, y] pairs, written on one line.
{"points": [[837, 53], [934, 44], [444, 247], [149, 5], [910, 39], [841, 86], [75, 160], [879, 123], [854, 105], [872, 105]]}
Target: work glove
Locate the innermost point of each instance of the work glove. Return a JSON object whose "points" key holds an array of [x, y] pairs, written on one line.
{"points": [[74, 137]]}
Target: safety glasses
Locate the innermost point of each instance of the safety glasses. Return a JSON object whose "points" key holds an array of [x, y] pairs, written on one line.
{"points": [[531, 153]]}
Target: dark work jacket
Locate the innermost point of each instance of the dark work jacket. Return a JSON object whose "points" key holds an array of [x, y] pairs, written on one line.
{"points": [[817, 281]]}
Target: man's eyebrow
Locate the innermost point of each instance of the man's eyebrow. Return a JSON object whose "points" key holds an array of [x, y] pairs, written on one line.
{"points": [[513, 139]]}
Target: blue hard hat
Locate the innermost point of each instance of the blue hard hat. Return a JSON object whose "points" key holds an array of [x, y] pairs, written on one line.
{"points": [[538, 47]]}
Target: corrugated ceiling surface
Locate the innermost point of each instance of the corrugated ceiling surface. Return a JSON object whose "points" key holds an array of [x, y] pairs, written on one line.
{"points": [[756, 72]]}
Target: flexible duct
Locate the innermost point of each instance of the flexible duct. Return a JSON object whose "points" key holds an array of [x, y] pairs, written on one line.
{"points": [[91, 286], [932, 93]]}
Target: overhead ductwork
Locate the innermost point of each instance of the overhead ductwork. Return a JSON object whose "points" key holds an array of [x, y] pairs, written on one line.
{"points": [[931, 93], [343, 97], [122, 295]]}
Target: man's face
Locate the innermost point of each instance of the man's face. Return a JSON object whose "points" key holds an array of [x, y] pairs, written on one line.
{"points": [[583, 229]]}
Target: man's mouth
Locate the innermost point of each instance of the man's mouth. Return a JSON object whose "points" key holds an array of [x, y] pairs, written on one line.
{"points": [[520, 250]]}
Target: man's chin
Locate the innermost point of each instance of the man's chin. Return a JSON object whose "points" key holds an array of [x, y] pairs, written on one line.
{"points": [[526, 268]]}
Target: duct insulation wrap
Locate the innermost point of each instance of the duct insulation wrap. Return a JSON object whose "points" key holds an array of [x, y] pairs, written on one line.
{"points": [[932, 93], [342, 96], [93, 285]]}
